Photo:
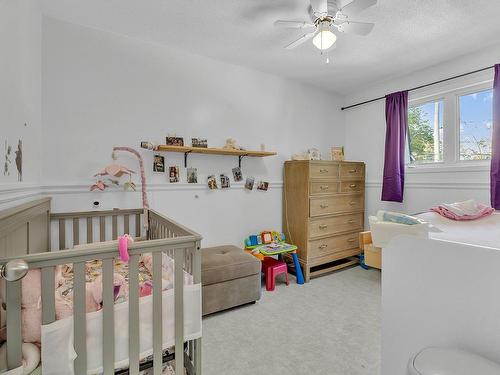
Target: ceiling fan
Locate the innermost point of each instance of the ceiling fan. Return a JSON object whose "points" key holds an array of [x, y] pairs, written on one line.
{"points": [[327, 17]]}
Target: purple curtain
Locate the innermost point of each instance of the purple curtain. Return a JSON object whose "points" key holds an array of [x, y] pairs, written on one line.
{"points": [[396, 116], [495, 143]]}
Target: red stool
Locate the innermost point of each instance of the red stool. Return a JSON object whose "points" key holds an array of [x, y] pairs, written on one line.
{"points": [[271, 268]]}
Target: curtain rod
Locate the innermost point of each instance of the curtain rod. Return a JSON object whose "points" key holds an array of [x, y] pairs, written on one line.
{"points": [[420, 87]]}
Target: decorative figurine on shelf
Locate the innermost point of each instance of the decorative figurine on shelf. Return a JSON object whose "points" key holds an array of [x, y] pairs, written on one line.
{"points": [[231, 145], [314, 154]]}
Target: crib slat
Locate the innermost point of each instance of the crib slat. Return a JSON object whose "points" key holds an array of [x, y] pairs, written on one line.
{"points": [[179, 311], [196, 270], [48, 296], [102, 229], [157, 313], [108, 355], [126, 224], [137, 225], [79, 318], [62, 234], [90, 235], [133, 321], [13, 300], [114, 222], [76, 231]]}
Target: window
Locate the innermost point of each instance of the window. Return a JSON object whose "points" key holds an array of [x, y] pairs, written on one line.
{"points": [[475, 125], [425, 132], [451, 128]]}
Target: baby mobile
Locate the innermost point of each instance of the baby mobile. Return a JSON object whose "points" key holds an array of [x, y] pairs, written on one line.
{"points": [[117, 171]]}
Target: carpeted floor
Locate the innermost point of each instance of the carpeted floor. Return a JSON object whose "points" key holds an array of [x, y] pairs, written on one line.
{"points": [[329, 326]]}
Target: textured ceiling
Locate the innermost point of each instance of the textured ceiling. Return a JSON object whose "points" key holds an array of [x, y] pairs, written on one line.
{"points": [[409, 34]]}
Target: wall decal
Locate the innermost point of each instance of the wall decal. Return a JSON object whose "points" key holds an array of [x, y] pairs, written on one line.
{"points": [[19, 160], [8, 162]]}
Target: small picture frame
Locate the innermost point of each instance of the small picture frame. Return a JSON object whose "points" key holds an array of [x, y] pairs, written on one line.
{"points": [[249, 183], [224, 182], [337, 153], [263, 185], [212, 182], [192, 176], [199, 142], [175, 141], [237, 175], [173, 174], [159, 163], [267, 237]]}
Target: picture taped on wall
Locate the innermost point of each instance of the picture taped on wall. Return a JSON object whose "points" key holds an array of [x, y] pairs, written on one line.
{"points": [[173, 173], [249, 183], [212, 182], [224, 181], [192, 176], [158, 163], [263, 185], [237, 175]]}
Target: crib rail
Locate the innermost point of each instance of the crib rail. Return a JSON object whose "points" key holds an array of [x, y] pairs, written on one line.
{"points": [[163, 236]]}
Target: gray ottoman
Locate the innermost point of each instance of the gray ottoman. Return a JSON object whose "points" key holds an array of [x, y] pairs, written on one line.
{"points": [[230, 277]]}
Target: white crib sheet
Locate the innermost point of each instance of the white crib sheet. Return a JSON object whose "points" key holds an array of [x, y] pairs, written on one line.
{"points": [[482, 232], [57, 337]]}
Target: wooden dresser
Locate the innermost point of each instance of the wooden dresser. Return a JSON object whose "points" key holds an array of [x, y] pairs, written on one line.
{"points": [[324, 213]]}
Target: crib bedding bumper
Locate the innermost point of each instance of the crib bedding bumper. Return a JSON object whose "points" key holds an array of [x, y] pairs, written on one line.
{"points": [[60, 333]]}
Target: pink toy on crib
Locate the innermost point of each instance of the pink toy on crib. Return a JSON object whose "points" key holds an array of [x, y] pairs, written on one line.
{"points": [[123, 243]]}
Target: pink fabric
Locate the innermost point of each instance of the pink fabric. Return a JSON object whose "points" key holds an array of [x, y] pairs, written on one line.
{"points": [[123, 242], [443, 211]]}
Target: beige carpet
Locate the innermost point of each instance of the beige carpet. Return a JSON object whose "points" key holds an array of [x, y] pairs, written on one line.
{"points": [[329, 326]]}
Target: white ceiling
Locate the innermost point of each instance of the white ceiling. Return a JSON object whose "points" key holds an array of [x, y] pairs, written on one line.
{"points": [[409, 34]]}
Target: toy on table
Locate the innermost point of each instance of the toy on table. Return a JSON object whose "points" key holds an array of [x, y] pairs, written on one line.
{"points": [[273, 243]]}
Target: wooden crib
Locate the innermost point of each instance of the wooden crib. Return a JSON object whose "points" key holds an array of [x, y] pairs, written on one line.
{"points": [[45, 240]]}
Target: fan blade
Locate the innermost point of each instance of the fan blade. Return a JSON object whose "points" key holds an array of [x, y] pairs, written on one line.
{"points": [[299, 41], [357, 6], [359, 28], [319, 6], [292, 24], [332, 7]]}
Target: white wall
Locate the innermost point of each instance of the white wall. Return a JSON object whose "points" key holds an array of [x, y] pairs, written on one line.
{"points": [[20, 103], [365, 139], [102, 90]]}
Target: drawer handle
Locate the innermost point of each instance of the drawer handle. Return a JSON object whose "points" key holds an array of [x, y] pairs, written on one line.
{"points": [[323, 205], [323, 171], [324, 187], [351, 240], [352, 203], [324, 246], [323, 226], [350, 222], [353, 170], [352, 186]]}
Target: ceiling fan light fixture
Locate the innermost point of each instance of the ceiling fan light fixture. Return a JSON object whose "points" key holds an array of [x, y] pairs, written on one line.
{"points": [[324, 39]]}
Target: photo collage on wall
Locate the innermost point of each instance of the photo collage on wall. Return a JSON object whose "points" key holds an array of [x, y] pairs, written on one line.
{"points": [[215, 181]]}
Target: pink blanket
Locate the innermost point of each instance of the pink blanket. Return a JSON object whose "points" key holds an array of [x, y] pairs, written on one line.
{"points": [[483, 211]]}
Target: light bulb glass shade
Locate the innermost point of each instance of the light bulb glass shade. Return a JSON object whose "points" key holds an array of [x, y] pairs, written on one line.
{"points": [[324, 39]]}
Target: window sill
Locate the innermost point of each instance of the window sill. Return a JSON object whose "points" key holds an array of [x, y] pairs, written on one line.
{"points": [[448, 168]]}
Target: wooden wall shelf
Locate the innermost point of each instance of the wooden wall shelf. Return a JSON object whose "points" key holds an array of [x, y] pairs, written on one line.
{"points": [[214, 151]]}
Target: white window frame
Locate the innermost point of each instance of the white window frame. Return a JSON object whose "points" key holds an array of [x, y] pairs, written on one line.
{"points": [[450, 94]]}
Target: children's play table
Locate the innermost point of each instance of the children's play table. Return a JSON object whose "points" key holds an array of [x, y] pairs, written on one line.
{"points": [[279, 248]]}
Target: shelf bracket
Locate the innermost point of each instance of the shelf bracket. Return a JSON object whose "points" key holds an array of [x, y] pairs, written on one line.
{"points": [[239, 160], [186, 158]]}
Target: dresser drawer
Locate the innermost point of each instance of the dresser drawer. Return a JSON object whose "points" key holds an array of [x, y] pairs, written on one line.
{"points": [[336, 224], [352, 171], [352, 186], [324, 187], [330, 245], [335, 204], [330, 171]]}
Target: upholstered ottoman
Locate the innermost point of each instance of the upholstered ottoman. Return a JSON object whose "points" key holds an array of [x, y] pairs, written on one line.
{"points": [[230, 277]]}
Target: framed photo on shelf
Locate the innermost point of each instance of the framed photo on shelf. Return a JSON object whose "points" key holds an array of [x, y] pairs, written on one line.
{"points": [[175, 141], [337, 153], [199, 142]]}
